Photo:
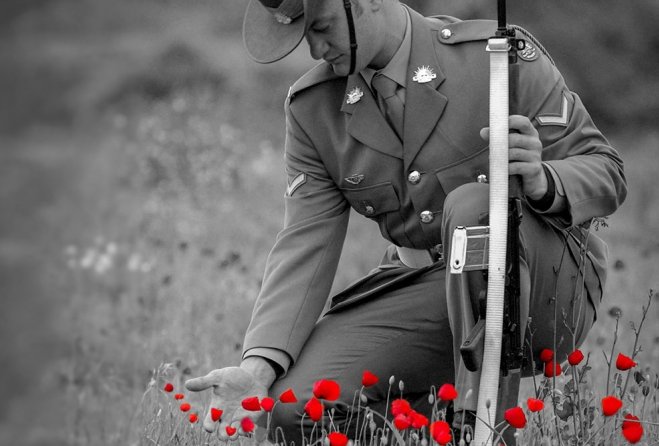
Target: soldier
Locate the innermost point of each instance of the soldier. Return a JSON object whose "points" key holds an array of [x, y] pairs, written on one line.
{"points": [[393, 124]]}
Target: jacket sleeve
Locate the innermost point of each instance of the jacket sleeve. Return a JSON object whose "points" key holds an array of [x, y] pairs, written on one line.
{"points": [[300, 268], [590, 172]]}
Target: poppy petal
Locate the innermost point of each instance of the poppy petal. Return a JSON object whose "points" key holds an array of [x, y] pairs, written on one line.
{"points": [[447, 392], [288, 396], [624, 362], [326, 389], [216, 414], [610, 405], [251, 403], [575, 357], [314, 409], [515, 417], [369, 379], [337, 439]]}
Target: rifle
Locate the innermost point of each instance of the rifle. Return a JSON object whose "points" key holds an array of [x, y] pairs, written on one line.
{"points": [[495, 346]]}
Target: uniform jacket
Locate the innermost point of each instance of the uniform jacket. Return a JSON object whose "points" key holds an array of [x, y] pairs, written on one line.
{"points": [[341, 156]]}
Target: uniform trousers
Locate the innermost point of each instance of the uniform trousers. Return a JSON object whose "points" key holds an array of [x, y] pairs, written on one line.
{"points": [[409, 323]]}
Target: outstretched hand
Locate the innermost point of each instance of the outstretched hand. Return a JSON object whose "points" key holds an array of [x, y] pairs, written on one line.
{"points": [[230, 385], [525, 155]]}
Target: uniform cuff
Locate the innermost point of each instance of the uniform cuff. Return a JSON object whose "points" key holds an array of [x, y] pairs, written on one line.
{"points": [[278, 359], [554, 201]]}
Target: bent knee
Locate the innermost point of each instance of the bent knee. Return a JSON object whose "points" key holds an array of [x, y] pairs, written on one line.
{"points": [[466, 205]]}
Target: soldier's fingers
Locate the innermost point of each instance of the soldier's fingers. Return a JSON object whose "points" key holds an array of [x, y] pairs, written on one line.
{"points": [[522, 124], [526, 170], [523, 155], [228, 431], [209, 424], [485, 133], [527, 142], [203, 382]]}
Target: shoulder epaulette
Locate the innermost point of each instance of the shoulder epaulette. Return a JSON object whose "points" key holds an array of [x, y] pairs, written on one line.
{"points": [[318, 74], [457, 31], [533, 42]]}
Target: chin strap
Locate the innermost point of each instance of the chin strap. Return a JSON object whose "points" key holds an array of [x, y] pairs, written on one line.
{"points": [[353, 39]]}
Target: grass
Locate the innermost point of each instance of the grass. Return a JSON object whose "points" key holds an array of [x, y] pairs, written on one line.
{"points": [[139, 202]]}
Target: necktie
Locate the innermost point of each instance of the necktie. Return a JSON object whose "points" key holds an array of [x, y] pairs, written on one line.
{"points": [[390, 104]]}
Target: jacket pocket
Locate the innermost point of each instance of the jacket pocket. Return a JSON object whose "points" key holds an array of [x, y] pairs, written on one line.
{"points": [[463, 171], [372, 201]]}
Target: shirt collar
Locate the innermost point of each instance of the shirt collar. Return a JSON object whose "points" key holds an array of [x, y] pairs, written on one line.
{"points": [[396, 69]]}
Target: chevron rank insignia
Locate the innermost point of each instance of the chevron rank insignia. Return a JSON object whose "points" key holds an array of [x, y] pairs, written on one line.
{"points": [[562, 118], [298, 181]]}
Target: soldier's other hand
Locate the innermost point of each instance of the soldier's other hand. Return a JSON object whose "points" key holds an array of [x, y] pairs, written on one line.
{"points": [[525, 155], [230, 385]]}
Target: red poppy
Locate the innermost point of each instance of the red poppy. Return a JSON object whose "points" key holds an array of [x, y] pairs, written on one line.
{"points": [[575, 357], [251, 403], [288, 396], [546, 355], [193, 417], [418, 420], [267, 404], [400, 406], [441, 432], [624, 362], [552, 369], [247, 424], [169, 387], [515, 417], [632, 429], [610, 405], [179, 396], [337, 439], [326, 389], [369, 379], [216, 414], [230, 430], [535, 405], [447, 392], [185, 407], [314, 409], [401, 422]]}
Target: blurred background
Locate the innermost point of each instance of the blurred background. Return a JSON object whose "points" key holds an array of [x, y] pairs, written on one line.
{"points": [[141, 187]]}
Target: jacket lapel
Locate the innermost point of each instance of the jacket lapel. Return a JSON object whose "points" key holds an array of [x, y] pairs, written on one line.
{"points": [[424, 105], [366, 124]]}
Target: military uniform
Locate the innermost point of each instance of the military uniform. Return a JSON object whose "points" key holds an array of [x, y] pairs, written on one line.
{"points": [[341, 154]]}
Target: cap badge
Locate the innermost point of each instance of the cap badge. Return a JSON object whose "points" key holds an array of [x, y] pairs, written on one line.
{"points": [[354, 95], [282, 18], [424, 74]]}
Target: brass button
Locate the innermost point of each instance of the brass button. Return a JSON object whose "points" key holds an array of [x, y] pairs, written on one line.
{"points": [[414, 177], [446, 33], [482, 178], [370, 210], [427, 216]]}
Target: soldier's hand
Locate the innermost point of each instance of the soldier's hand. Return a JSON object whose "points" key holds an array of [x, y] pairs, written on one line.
{"points": [[230, 385], [525, 155]]}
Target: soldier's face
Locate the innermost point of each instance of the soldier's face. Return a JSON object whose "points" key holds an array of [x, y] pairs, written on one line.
{"points": [[328, 35]]}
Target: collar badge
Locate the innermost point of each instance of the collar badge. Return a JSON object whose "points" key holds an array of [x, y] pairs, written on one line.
{"points": [[354, 95], [424, 74], [355, 179], [529, 53]]}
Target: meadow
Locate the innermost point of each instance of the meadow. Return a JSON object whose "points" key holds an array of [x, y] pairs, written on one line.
{"points": [[141, 185]]}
